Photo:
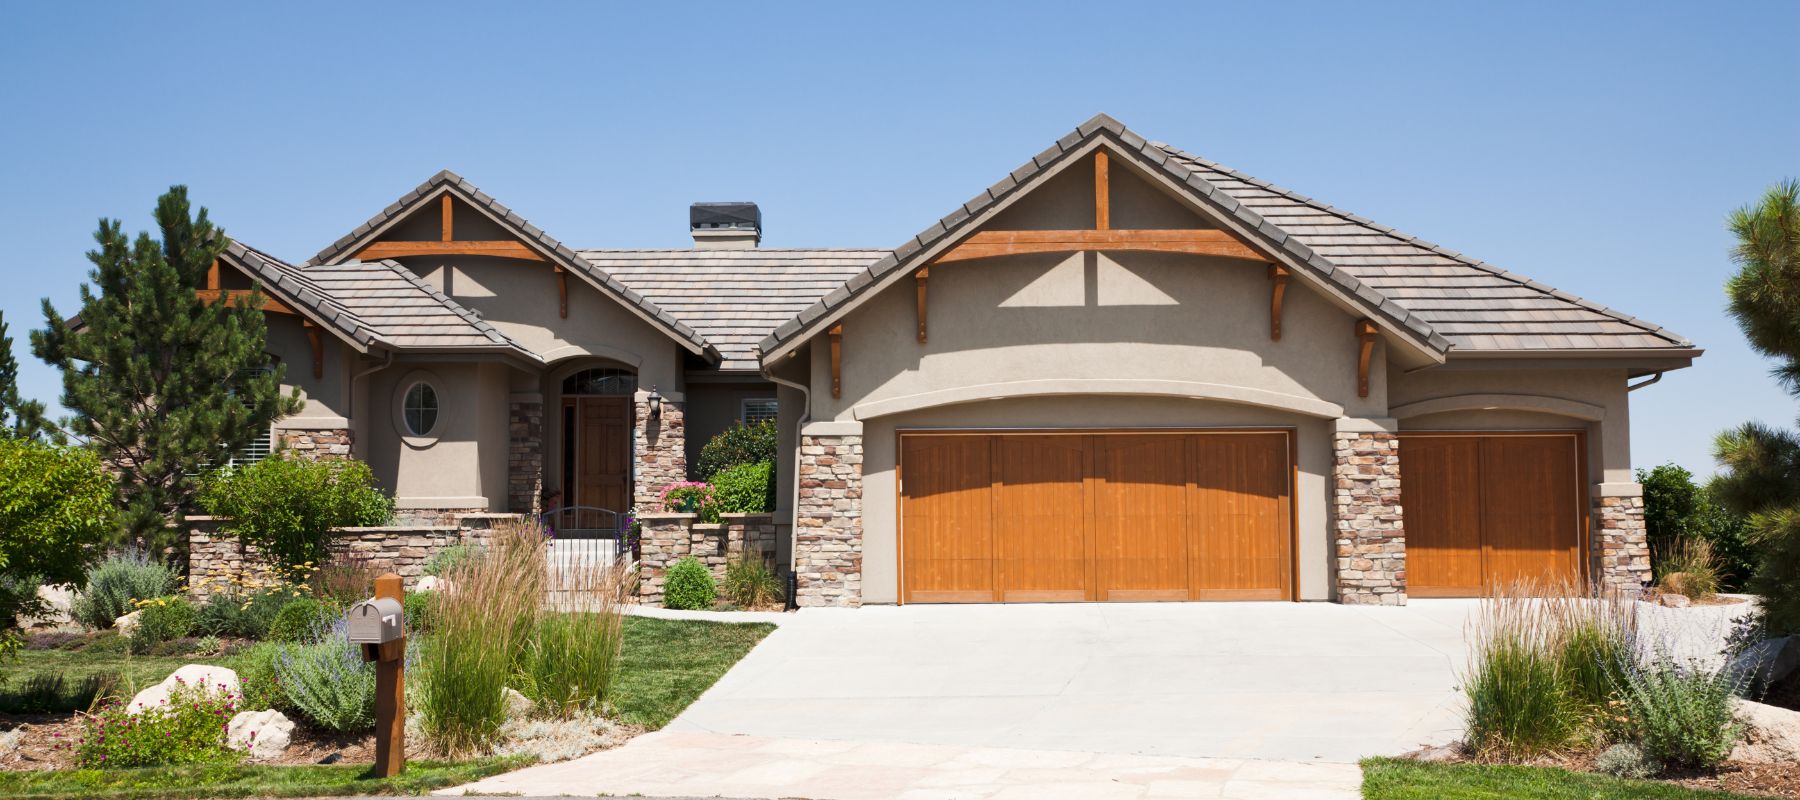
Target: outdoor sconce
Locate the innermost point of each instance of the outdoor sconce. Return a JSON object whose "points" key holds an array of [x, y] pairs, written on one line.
{"points": [[655, 404]]}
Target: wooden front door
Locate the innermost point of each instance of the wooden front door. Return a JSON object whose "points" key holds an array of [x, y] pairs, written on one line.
{"points": [[1095, 516], [1488, 510], [603, 452]]}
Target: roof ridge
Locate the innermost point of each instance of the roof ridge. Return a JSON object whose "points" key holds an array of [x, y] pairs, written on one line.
{"points": [[1427, 245]]}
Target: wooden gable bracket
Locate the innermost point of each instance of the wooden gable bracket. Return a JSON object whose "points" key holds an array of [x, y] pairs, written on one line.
{"points": [[921, 276], [212, 275], [562, 291], [1365, 336], [499, 249], [1278, 278], [1198, 241], [837, 359], [269, 304], [318, 347], [1102, 193], [449, 220]]}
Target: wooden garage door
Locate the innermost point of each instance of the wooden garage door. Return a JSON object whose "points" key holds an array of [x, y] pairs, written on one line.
{"points": [[1487, 510], [1100, 516]]}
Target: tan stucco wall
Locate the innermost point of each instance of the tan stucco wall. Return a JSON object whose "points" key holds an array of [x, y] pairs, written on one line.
{"points": [[462, 464], [880, 494], [1593, 400], [327, 397], [713, 407]]}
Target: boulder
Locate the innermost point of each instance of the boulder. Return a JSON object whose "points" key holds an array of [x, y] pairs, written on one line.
{"points": [[128, 623], [212, 676], [518, 706], [1771, 734], [1769, 660], [431, 583], [1674, 600], [262, 734]]}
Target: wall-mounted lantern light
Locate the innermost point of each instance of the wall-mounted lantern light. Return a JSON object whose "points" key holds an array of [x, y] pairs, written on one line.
{"points": [[655, 404]]}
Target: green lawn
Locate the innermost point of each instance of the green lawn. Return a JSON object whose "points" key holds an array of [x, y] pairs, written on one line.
{"points": [[1397, 779], [65, 679], [181, 783], [669, 663]]}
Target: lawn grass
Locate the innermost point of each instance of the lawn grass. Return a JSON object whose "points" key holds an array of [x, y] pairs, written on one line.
{"points": [[669, 663], [1400, 779], [224, 780], [28, 683]]}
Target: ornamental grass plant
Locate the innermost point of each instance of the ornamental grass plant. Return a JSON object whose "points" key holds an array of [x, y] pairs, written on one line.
{"points": [[481, 623], [569, 662]]}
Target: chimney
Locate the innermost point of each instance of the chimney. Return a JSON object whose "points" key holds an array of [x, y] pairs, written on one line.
{"points": [[725, 226]]}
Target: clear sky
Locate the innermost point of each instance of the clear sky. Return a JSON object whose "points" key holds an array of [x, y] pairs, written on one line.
{"points": [[1595, 147]]}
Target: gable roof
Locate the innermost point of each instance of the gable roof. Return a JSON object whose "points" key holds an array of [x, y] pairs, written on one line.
{"points": [[733, 297], [537, 239], [376, 304], [1432, 296]]}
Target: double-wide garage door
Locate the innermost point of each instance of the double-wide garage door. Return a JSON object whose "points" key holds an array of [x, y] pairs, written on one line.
{"points": [[1488, 510], [1030, 517]]}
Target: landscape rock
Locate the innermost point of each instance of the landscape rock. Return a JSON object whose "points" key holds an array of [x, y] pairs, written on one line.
{"points": [[431, 583], [1434, 753], [1674, 600], [128, 623], [1769, 660], [1771, 734], [212, 676], [59, 600], [263, 734], [518, 706]]}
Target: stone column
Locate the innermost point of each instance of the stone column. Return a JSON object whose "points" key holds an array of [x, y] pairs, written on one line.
{"points": [[828, 519], [1620, 542], [317, 444], [1366, 514], [525, 454], [661, 450], [665, 540]]}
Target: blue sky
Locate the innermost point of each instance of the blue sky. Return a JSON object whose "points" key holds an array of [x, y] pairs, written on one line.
{"points": [[1595, 147]]}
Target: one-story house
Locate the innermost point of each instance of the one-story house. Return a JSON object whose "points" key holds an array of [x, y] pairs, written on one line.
{"points": [[1122, 372]]}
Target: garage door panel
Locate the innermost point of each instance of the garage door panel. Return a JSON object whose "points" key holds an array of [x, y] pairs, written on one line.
{"points": [[1439, 477], [1140, 517], [1040, 517], [1530, 511], [1238, 516], [948, 508]]}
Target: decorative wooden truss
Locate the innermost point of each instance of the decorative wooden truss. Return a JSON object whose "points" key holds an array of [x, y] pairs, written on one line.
{"points": [[449, 245], [213, 293]]}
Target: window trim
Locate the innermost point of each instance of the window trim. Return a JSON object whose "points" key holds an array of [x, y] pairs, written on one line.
{"points": [[445, 408], [744, 408]]}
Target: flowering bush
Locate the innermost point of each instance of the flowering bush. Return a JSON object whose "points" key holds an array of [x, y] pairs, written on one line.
{"points": [[327, 681], [692, 497], [188, 728], [162, 619]]}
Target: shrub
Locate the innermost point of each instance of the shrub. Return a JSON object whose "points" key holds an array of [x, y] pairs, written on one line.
{"points": [[481, 622], [692, 498], [1680, 713], [189, 730], [163, 619], [1688, 567], [1626, 760], [287, 507], [260, 680], [327, 681], [420, 608], [1677, 509], [116, 584], [746, 488], [736, 445], [302, 619], [446, 559], [568, 664], [47, 693], [750, 583], [242, 616], [55, 510], [689, 585]]}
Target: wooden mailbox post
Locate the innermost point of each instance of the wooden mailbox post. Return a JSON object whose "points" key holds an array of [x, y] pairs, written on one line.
{"points": [[379, 625]]}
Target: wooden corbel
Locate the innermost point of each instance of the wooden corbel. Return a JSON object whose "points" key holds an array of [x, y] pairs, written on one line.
{"points": [[1365, 336], [837, 359], [449, 219], [921, 276], [1278, 278], [318, 347], [562, 291]]}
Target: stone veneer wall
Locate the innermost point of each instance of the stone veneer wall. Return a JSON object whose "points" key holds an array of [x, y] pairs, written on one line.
{"points": [[525, 456], [828, 521], [1621, 543], [670, 537], [317, 444], [1366, 515], [661, 458], [217, 560]]}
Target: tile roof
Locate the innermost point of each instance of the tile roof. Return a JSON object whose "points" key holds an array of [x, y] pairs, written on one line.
{"points": [[733, 297], [377, 303], [449, 181], [1440, 298]]}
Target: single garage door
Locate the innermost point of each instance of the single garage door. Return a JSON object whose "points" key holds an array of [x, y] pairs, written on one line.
{"points": [[1488, 510], [1042, 517]]}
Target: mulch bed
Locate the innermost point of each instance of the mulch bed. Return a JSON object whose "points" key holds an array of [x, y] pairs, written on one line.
{"points": [[1768, 780], [37, 748]]}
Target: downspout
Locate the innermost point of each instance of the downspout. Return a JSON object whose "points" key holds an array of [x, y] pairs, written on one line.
{"points": [[799, 431], [1632, 387], [353, 379]]}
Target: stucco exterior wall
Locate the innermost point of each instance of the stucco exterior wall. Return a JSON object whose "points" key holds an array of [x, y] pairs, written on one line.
{"points": [[713, 407], [328, 396], [881, 512], [1592, 400], [462, 463]]}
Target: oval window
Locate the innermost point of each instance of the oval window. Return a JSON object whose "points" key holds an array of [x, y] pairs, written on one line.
{"points": [[421, 409]]}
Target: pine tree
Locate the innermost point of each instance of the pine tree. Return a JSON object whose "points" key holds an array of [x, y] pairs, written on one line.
{"points": [[160, 382], [1762, 476], [19, 418]]}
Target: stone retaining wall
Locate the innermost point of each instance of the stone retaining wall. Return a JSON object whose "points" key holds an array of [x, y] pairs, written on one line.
{"points": [[669, 537], [218, 560], [318, 444]]}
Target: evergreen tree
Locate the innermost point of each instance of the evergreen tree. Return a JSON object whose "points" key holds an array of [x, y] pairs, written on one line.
{"points": [[19, 418], [160, 382], [1762, 463]]}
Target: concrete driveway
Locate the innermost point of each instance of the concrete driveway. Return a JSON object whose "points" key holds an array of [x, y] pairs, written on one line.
{"points": [[1286, 681]]}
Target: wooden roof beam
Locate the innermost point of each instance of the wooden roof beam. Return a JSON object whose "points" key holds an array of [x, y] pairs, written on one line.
{"points": [[500, 249], [269, 304], [1204, 242]]}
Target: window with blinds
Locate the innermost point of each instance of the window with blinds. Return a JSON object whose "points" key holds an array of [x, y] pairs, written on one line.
{"points": [[758, 410], [264, 444]]}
